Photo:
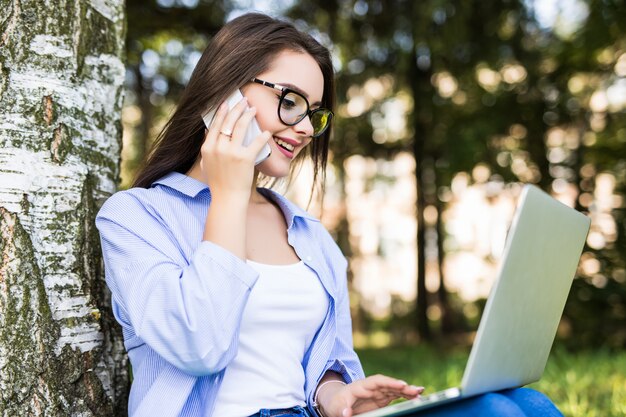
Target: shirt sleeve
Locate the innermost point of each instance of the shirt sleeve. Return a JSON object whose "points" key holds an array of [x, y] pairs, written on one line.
{"points": [[343, 359], [189, 312]]}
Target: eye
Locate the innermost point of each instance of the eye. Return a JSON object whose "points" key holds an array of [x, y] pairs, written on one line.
{"points": [[289, 101]]}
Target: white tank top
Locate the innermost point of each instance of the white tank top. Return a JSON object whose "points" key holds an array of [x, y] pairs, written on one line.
{"points": [[284, 312]]}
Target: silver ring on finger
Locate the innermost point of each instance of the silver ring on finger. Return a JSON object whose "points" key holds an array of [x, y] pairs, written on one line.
{"points": [[227, 132]]}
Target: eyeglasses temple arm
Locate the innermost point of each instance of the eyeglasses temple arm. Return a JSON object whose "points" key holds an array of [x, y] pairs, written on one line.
{"points": [[268, 84]]}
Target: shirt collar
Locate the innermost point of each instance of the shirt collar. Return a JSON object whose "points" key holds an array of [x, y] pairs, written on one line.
{"points": [[182, 183], [290, 210], [192, 187]]}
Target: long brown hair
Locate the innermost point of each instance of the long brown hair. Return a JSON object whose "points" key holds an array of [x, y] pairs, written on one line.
{"points": [[242, 49]]}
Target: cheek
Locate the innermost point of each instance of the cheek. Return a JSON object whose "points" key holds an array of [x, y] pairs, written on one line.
{"points": [[304, 147], [266, 113], [266, 120], [266, 116]]}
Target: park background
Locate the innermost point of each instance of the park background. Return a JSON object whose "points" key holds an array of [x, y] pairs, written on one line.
{"points": [[444, 109]]}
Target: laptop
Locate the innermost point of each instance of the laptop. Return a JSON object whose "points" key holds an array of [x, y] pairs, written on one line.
{"points": [[519, 323]]}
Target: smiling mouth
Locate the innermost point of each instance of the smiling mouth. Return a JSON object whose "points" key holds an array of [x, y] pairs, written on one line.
{"points": [[287, 146]]}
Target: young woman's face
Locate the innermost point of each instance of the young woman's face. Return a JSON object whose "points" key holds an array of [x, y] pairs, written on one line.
{"points": [[300, 72]]}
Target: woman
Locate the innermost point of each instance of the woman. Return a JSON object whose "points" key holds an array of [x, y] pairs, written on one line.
{"points": [[232, 300]]}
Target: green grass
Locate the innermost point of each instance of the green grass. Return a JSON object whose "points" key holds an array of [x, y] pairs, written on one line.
{"points": [[584, 384]]}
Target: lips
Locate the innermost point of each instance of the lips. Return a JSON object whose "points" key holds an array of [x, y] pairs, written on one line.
{"points": [[286, 146]]}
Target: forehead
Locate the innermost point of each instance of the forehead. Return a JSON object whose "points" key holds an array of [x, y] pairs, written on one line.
{"points": [[298, 69]]}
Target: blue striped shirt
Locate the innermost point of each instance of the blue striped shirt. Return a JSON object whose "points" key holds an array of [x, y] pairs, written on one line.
{"points": [[180, 299]]}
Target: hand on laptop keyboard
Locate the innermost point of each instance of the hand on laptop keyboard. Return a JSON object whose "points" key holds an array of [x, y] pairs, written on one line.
{"points": [[371, 393]]}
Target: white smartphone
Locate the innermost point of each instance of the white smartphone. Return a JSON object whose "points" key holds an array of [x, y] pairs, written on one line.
{"points": [[253, 128]]}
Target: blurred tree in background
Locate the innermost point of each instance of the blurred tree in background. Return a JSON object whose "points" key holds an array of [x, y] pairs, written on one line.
{"points": [[497, 90]]}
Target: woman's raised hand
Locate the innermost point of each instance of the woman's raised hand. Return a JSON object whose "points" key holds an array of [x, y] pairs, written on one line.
{"points": [[227, 165], [364, 395]]}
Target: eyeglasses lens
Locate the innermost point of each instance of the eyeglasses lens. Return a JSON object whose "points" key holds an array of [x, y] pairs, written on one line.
{"points": [[294, 108], [320, 119]]}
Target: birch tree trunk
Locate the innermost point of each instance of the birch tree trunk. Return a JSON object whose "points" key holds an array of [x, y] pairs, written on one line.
{"points": [[61, 76]]}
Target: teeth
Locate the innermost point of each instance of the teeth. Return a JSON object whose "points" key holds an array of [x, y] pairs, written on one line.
{"points": [[285, 145]]}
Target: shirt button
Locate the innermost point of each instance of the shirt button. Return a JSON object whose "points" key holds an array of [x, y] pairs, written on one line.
{"points": [[308, 258]]}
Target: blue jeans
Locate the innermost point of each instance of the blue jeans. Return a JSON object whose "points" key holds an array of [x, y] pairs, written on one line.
{"points": [[296, 411], [520, 402]]}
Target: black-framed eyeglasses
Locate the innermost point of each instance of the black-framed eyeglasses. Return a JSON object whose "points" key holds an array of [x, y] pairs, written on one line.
{"points": [[293, 107]]}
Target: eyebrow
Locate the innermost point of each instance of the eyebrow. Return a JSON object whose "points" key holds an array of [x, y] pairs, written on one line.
{"points": [[299, 90]]}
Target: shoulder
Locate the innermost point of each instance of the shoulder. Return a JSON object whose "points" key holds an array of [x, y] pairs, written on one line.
{"points": [[331, 248], [168, 194], [128, 202], [138, 208]]}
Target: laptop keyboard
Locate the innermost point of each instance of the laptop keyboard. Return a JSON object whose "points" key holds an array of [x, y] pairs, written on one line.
{"points": [[438, 396]]}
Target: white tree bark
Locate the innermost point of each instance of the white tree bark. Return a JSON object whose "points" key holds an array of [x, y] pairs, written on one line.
{"points": [[61, 77]]}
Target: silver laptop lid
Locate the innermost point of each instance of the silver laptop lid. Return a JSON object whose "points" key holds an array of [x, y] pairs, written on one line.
{"points": [[524, 308]]}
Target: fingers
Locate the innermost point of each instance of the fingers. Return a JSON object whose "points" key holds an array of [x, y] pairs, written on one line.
{"points": [[371, 393], [240, 118], [383, 381], [383, 389], [242, 124], [213, 132], [380, 395], [239, 134], [257, 144], [392, 385], [234, 120]]}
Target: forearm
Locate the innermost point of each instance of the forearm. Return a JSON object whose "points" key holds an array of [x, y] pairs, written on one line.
{"points": [[328, 386], [226, 223]]}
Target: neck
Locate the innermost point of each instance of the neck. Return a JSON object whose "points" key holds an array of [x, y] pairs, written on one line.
{"points": [[255, 195]]}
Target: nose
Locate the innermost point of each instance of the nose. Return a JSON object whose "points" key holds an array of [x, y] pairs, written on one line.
{"points": [[304, 127]]}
